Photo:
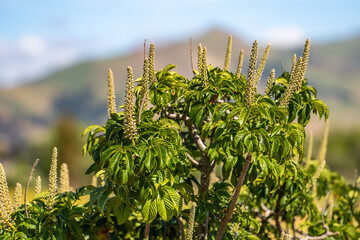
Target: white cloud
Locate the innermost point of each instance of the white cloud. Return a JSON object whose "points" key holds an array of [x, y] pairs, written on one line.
{"points": [[32, 45], [31, 57], [285, 36]]}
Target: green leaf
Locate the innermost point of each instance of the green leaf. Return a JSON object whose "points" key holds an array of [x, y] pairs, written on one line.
{"points": [[243, 116], [220, 111], [149, 210], [174, 197], [168, 68], [21, 235], [93, 128], [102, 201], [148, 159], [123, 213], [199, 119], [239, 135], [248, 142], [219, 130], [228, 166]]}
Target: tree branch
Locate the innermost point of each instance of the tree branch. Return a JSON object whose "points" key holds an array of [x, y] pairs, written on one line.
{"points": [[234, 197], [192, 128], [181, 225]]}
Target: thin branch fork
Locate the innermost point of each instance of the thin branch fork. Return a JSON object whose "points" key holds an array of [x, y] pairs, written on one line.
{"points": [[193, 130], [234, 197]]}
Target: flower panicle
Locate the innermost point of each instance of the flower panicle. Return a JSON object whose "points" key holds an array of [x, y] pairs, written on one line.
{"points": [[37, 187], [293, 65], [204, 74], [240, 63], [305, 57], [228, 54], [130, 130], [64, 178], [17, 196], [111, 101], [52, 179], [250, 86], [200, 56], [270, 82], [145, 84], [6, 208], [262, 64], [321, 158], [152, 75], [293, 85], [191, 222]]}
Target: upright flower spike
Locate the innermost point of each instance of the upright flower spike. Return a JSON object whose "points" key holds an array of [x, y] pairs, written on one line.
{"points": [[52, 179], [190, 227], [293, 64], [111, 103], [250, 86], [240, 63], [293, 84], [129, 121], [64, 178], [321, 157], [309, 150], [305, 57], [297, 78], [200, 56], [270, 82], [17, 196], [37, 186], [262, 65], [228, 54], [204, 74], [145, 84], [152, 76], [6, 207]]}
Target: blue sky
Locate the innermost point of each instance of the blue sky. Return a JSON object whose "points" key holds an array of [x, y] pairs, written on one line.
{"points": [[40, 36]]}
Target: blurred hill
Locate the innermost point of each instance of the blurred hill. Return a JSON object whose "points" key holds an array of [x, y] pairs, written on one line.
{"points": [[28, 112]]}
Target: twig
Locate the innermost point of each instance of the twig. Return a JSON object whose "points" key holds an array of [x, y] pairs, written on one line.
{"points": [[234, 197], [196, 163], [277, 208], [192, 128], [181, 225], [192, 160], [147, 230], [27, 186]]}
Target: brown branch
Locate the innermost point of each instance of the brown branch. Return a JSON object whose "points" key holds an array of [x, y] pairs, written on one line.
{"points": [[27, 186], [196, 163], [277, 208], [147, 231], [181, 225], [323, 236], [192, 128], [192, 160], [234, 197]]}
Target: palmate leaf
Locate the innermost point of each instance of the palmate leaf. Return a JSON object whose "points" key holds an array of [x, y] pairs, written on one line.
{"points": [[149, 210], [320, 107], [174, 197], [165, 206], [122, 213]]}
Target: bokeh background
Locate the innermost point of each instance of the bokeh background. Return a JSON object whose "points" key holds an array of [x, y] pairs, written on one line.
{"points": [[54, 57]]}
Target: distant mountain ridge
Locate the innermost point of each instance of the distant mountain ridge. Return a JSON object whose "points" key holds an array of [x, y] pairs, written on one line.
{"points": [[27, 112]]}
